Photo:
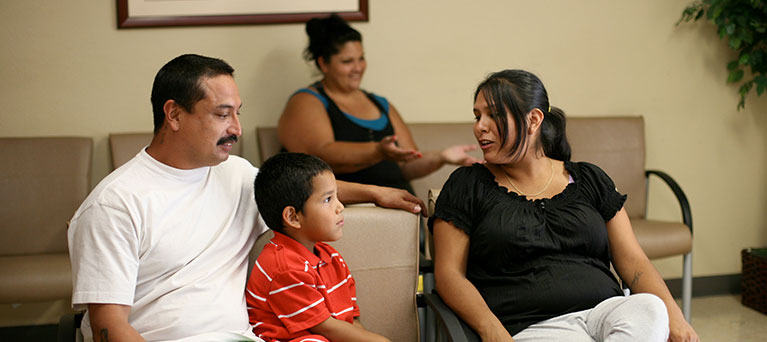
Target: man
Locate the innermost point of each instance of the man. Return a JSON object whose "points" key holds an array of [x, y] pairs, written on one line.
{"points": [[159, 248]]}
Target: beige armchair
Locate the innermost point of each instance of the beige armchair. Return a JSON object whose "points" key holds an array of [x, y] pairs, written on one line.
{"points": [[125, 146], [42, 182], [379, 245], [381, 248], [617, 145]]}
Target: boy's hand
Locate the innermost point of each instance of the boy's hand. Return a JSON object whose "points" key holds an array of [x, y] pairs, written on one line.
{"points": [[341, 331]]}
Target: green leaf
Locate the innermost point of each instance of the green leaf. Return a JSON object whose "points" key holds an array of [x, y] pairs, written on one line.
{"points": [[744, 58], [730, 29], [760, 89], [735, 43], [732, 65], [700, 14], [717, 11], [735, 76], [745, 88], [747, 36]]}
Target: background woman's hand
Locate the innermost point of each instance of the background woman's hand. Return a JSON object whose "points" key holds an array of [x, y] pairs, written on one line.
{"points": [[389, 149], [457, 155]]}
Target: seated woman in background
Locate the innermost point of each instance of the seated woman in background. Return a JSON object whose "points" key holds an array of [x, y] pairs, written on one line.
{"points": [[360, 134], [523, 243]]}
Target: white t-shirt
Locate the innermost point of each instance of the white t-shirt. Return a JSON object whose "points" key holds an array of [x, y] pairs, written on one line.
{"points": [[172, 244]]}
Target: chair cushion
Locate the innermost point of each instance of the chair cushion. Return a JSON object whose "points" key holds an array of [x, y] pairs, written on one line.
{"points": [[35, 278], [660, 239]]}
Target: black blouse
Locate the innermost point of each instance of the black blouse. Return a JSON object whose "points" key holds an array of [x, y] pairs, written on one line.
{"points": [[384, 173], [534, 260]]}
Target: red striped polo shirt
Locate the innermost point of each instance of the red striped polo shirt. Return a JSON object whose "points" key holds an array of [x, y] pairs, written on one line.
{"points": [[291, 289]]}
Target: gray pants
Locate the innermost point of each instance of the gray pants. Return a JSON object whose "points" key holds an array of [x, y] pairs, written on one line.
{"points": [[640, 317]]}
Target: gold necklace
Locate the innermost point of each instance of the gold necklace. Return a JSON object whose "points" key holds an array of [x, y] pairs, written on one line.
{"points": [[551, 177]]}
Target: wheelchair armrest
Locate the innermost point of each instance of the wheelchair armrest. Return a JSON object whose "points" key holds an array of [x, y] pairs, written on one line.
{"points": [[425, 265], [680, 196], [449, 326], [68, 324]]}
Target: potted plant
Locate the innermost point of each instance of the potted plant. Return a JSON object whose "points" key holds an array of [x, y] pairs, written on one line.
{"points": [[743, 23]]}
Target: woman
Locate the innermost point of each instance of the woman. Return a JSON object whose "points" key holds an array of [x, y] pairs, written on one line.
{"points": [[360, 134], [523, 242]]}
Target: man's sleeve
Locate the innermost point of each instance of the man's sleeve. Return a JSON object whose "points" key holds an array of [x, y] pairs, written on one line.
{"points": [[103, 248]]}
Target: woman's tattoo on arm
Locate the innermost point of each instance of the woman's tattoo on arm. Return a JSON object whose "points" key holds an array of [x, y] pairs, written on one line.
{"points": [[635, 281]]}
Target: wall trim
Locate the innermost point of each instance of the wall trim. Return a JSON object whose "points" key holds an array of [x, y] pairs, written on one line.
{"points": [[708, 286]]}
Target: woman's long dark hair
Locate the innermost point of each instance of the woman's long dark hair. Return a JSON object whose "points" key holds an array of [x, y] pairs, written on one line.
{"points": [[519, 92], [327, 36]]}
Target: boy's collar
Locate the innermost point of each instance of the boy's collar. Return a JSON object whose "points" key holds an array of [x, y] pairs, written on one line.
{"points": [[292, 244]]}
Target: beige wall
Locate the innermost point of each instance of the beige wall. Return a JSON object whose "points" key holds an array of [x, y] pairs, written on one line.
{"points": [[67, 70]]}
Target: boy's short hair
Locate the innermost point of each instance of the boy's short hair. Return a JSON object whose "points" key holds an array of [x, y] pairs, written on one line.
{"points": [[285, 180]]}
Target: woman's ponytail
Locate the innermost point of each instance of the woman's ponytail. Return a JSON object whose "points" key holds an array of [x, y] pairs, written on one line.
{"points": [[554, 135]]}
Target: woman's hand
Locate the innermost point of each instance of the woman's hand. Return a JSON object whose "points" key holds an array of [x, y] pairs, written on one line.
{"points": [[457, 155], [497, 336], [390, 150], [681, 331]]}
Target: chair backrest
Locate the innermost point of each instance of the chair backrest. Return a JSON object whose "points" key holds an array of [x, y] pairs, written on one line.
{"points": [[428, 136], [438, 136], [268, 142], [42, 182], [617, 145], [125, 146], [381, 248]]}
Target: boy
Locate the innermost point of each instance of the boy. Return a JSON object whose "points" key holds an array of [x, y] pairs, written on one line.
{"points": [[300, 288]]}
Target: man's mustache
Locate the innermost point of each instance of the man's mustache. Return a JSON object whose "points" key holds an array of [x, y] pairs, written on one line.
{"points": [[232, 138]]}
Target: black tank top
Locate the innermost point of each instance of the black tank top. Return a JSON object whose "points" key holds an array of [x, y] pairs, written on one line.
{"points": [[384, 173]]}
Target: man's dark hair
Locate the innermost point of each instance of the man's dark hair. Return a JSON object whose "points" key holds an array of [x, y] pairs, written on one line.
{"points": [[285, 180], [181, 79]]}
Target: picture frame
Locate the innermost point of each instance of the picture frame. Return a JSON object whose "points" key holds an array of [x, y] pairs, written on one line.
{"points": [[162, 13]]}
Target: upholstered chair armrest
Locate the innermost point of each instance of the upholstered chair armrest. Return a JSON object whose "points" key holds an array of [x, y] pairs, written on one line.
{"points": [[448, 325], [680, 196]]}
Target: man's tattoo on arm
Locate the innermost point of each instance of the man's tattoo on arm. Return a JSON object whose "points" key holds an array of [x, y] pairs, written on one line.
{"points": [[104, 335]]}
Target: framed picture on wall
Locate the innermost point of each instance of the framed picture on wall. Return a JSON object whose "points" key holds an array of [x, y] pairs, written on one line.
{"points": [[157, 13]]}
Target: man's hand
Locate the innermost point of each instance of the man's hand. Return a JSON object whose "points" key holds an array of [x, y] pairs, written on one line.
{"points": [[399, 199], [382, 196]]}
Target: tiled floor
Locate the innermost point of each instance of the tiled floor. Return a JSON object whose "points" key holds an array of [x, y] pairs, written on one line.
{"points": [[724, 318], [715, 318]]}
